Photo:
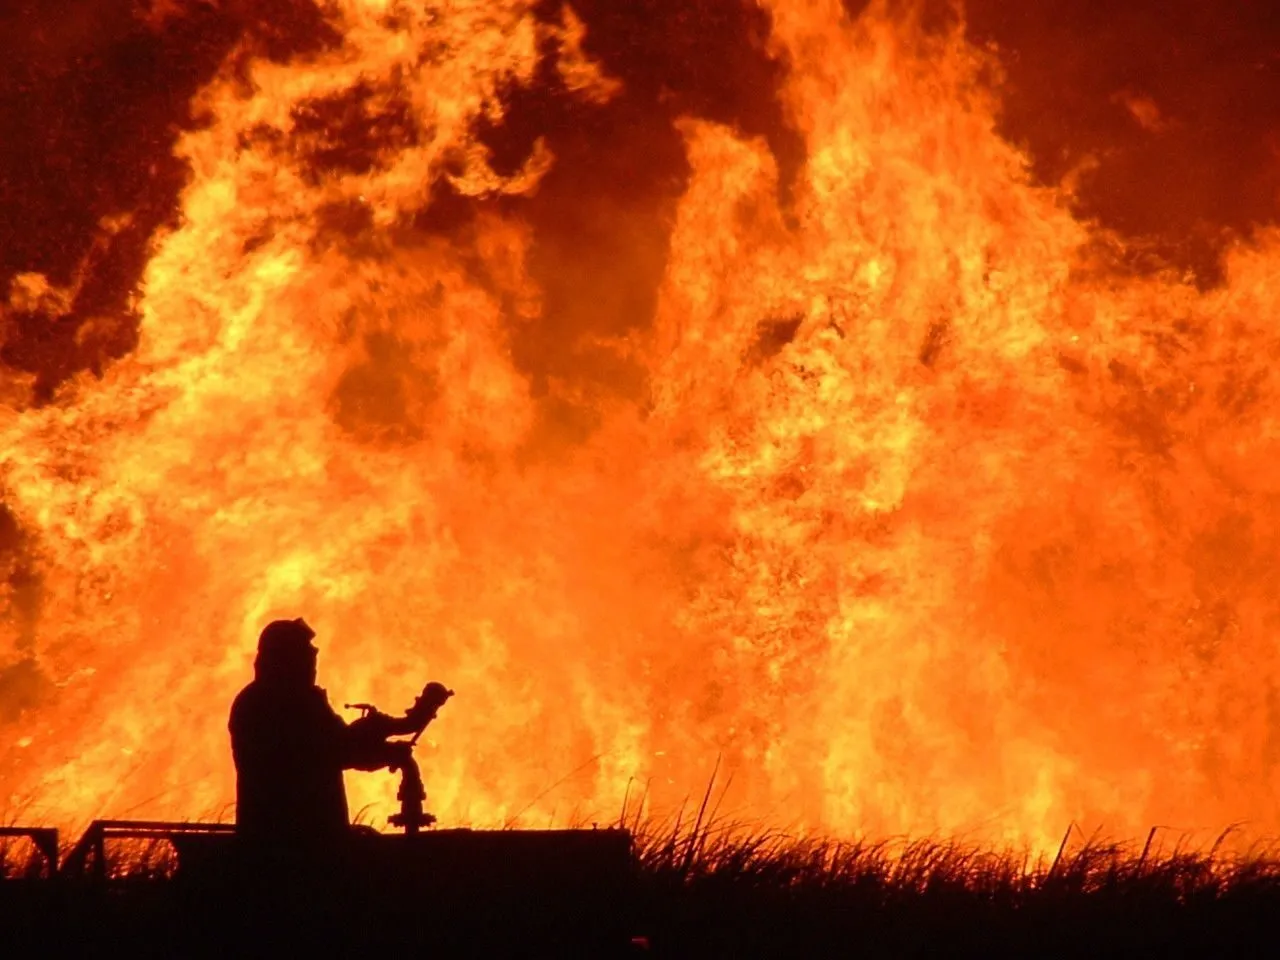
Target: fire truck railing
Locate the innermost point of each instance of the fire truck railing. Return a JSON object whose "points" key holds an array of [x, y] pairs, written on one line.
{"points": [[45, 840], [89, 857]]}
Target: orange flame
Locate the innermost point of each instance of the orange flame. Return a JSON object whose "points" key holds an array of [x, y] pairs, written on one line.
{"points": [[928, 519]]}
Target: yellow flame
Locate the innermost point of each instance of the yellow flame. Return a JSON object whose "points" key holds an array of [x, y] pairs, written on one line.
{"points": [[929, 522]]}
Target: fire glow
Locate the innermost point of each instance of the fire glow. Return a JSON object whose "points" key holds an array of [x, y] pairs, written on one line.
{"points": [[905, 504]]}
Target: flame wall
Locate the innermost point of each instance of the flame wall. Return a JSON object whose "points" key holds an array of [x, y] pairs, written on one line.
{"points": [[793, 422]]}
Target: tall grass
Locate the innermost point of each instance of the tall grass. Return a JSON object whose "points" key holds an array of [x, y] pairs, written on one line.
{"points": [[717, 889], [713, 851], [710, 887]]}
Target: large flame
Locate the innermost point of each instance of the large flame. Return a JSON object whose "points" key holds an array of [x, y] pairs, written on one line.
{"points": [[918, 515]]}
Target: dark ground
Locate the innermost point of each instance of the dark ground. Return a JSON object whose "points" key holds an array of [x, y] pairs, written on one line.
{"points": [[700, 895]]}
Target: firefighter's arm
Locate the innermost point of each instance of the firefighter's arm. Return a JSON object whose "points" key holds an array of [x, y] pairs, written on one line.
{"points": [[367, 746], [376, 755]]}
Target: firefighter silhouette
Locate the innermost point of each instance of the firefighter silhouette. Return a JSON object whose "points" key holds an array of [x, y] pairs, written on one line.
{"points": [[290, 747]]}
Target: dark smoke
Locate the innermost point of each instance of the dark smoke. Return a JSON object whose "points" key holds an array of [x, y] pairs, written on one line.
{"points": [[92, 98], [603, 213], [1176, 103], [1166, 112]]}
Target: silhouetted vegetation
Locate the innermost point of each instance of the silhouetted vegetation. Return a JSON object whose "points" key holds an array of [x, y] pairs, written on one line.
{"points": [[727, 893], [714, 890]]}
